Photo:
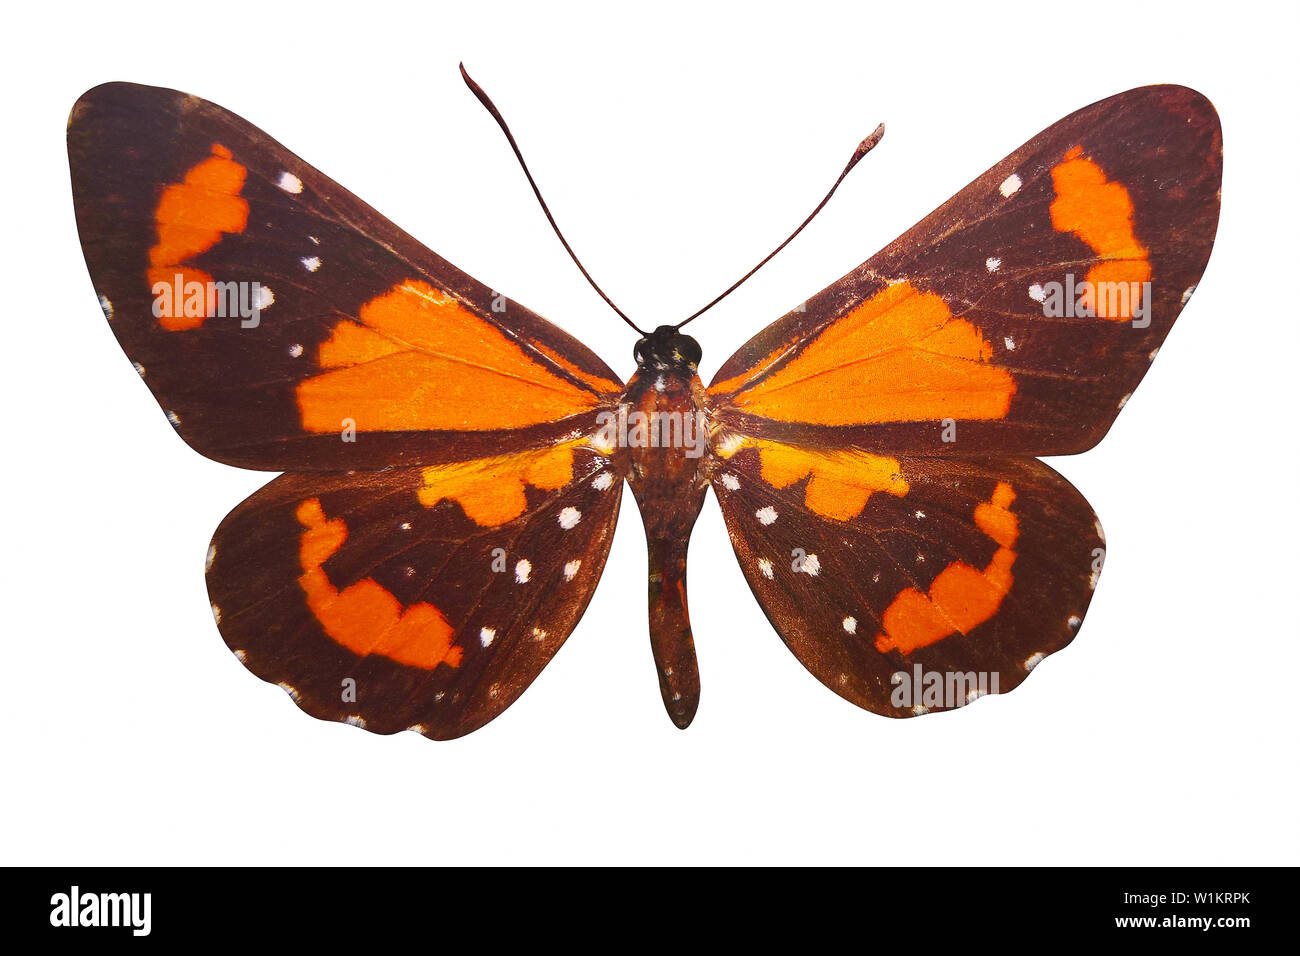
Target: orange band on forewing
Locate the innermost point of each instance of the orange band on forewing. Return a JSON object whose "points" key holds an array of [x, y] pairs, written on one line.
{"points": [[730, 385], [420, 360], [1100, 213], [365, 617], [351, 343], [899, 356], [961, 597], [839, 482], [598, 382], [191, 218], [491, 490]]}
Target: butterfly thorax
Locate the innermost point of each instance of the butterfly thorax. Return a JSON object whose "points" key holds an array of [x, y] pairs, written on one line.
{"points": [[664, 433]]}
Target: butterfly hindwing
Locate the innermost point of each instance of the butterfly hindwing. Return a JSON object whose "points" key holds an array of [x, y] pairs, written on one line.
{"points": [[321, 336], [969, 335], [415, 598], [871, 566]]}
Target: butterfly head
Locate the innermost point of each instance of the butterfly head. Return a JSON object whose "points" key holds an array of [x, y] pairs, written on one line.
{"points": [[666, 348]]}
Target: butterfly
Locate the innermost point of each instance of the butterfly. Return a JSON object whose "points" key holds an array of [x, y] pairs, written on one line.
{"points": [[453, 463]]}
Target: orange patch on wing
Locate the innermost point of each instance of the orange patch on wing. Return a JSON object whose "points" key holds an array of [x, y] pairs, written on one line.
{"points": [[839, 482], [899, 356], [1100, 212], [961, 597], [598, 382], [420, 360], [365, 617], [730, 385], [491, 490], [191, 218]]}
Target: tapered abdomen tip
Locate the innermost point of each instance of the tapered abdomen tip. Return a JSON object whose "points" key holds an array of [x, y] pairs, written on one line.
{"points": [[682, 712]]}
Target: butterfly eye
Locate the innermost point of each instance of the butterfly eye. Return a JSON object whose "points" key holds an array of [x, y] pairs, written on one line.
{"points": [[687, 349]]}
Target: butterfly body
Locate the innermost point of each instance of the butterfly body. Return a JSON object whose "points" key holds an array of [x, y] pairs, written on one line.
{"points": [[666, 468], [453, 463]]}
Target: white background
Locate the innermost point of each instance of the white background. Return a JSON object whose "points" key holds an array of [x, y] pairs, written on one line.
{"points": [[676, 145]]}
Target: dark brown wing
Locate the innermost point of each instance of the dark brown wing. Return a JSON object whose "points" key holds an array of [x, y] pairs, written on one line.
{"points": [[322, 336], [423, 599], [916, 584], [969, 335]]}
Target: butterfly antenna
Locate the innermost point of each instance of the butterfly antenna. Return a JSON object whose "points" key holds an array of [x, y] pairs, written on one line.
{"points": [[864, 147], [501, 121]]}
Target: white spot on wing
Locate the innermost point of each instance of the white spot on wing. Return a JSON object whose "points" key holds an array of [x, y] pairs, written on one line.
{"points": [[265, 298], [1124, 399], [850, 625], [765, 566], [765, 515], [216, 614], [138, 368], [1033, 660], [730, 445], [1187, 293], [310, 263], [108, 307], [486, 636], [571, 569], [603, 481], [992, 263], [174, 419], [356, 721], [730, 482], [569, 517], [290, 690], [295, 350], [1037, 292], [810, 565], [289, 182], [522, 570], [1009, 342], [1010, 186], [211, 556]]}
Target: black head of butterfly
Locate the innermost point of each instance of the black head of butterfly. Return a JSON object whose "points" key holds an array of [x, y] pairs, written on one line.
{"points": [[667, 349]]}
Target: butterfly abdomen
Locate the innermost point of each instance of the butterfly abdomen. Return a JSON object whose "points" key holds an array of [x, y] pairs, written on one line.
{"points": [[665, 442]]}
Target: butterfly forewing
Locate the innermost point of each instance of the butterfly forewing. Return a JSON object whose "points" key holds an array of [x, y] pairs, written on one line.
{"points": [[321, 336], [969, 335]]}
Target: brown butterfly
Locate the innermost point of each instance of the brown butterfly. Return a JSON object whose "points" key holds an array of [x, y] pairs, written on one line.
{"points": [[454, 462]]}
